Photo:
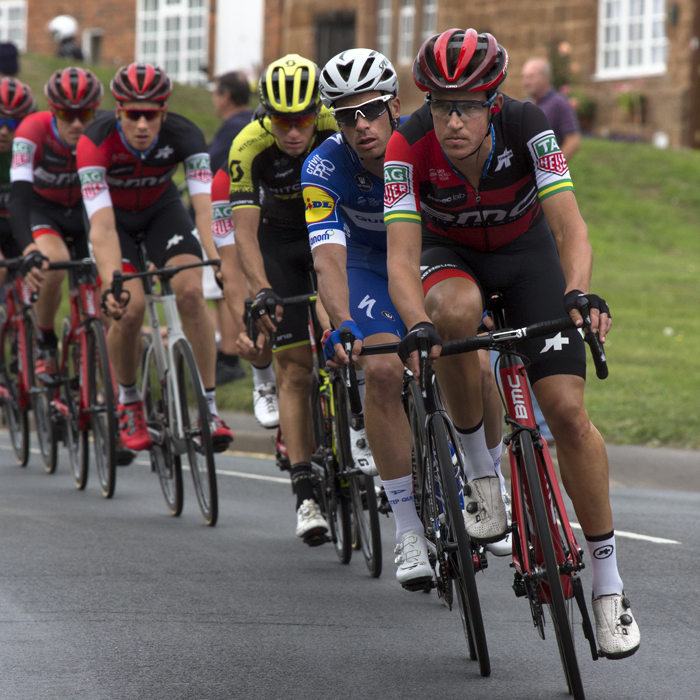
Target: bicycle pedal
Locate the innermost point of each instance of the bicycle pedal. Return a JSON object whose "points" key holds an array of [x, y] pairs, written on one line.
{"points": [[125, 456], [49, 380], [315, 539], [420, 584]]}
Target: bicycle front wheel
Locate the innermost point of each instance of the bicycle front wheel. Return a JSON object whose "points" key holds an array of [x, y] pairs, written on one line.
{"points": [[196, 431], [16, 418], [456, 542], [103, 420], [164, 462]]}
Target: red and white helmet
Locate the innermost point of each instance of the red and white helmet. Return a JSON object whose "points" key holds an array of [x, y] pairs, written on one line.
{"points": [[16, 99], [460, 60], [73, 88], [141, 82]]}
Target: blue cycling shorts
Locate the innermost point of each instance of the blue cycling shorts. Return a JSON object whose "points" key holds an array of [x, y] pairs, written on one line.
{"points": [[370, 304]]}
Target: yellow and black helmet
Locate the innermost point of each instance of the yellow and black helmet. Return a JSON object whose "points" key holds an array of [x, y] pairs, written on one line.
{"points": [[289, 85]]}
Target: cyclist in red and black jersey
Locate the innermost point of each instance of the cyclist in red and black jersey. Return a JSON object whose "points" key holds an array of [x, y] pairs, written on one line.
{"points": [[45, 208], [480, 183], [16, 102], [126, 163]]}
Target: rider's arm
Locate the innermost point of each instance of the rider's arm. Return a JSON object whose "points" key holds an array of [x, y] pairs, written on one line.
{"points": [[20, 207], [201, 203], [24, 152], [105, 244], [330, 262], [245, 223]]}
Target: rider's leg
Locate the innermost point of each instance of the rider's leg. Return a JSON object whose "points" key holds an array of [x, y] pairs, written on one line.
{"points": [[53, 247], [123, 337]]}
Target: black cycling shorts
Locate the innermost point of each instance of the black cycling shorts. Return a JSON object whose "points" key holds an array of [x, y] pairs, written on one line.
{"points": [[8, 245], [49, 218], [528, 275], [165, 226], [289, 269]]}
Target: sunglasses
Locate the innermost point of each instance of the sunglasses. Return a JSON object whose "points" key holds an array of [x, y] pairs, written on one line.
{"points": [[11, 124], [287, 123], [466, 109], [370, 110], [148, 114], [70, 115]]}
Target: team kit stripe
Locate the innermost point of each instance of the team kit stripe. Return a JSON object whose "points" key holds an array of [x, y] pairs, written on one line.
{"points": [[553, 189], [394, 216]]}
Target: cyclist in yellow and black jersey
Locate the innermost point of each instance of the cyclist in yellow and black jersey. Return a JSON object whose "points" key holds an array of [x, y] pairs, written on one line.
{"points": [[265, 167]]}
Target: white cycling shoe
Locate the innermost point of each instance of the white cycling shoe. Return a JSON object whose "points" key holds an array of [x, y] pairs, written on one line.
{"points": [[266, 405], [504, 547], [311, 525], [361, 454], [484, 511], [616, 629], [414, 572]]}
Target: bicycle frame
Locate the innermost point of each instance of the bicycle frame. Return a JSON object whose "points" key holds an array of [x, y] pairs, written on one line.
{"points": [[18, 298]]}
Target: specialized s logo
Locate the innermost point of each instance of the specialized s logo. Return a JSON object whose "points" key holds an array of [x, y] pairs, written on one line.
{"points": [[318, 203], [397, 177], [21, 154], [547, 154], [92, 183]]}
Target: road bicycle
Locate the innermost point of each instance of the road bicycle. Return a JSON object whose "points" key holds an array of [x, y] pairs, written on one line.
{"points": [[345, 494], [546, 557], [176, 409]]}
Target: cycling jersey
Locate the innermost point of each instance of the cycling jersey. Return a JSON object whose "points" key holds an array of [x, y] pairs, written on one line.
{"points": [[525, 167], [113, 174], [263, 176], [221, 220]]}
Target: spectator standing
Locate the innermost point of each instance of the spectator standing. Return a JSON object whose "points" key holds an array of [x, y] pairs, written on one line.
{"points": [[537, 82], [64, 29], [231, 96], [9, 60]]}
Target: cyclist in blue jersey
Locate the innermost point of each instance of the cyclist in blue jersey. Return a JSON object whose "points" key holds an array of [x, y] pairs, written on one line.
{"points": [[343, 191]]}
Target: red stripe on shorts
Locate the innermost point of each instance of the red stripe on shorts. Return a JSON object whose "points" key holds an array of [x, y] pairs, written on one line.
{"points": [[441, 275]]}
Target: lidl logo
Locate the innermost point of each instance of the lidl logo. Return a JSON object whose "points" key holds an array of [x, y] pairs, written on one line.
{"points": [[318, 203]]}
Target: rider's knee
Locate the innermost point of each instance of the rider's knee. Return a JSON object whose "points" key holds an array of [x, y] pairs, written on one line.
{"points": [[190, 299], [456, 318], [295, 377], [383, 379], [567, 418]]}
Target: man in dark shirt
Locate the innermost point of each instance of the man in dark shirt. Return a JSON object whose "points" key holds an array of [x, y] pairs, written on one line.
{"points": [[230, 97], [537, 82]]}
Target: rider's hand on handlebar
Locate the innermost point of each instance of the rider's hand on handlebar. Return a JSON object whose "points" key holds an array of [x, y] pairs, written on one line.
{"points": [[249, 350], [113, 308], [267, 310], [33, 267], [601, 320], [408, 347], [333, 350]]}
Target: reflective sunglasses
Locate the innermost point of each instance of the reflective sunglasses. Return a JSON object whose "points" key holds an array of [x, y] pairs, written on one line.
{"points": [[148, 114], [286, 123], [466, 109], [11, 124], [70, 115], [370, 110]]}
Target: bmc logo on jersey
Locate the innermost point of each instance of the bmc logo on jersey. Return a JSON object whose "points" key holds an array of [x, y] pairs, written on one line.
{"points": [[92, 183], [397, 177], [21, 154], [548, 155], [318, 203]]}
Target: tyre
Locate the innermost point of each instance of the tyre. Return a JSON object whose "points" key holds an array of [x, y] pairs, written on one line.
{"points": [[16, 418], [456, 541], [554, 593], [196, 431], [163, 461], [363, 498], [103, 415], [76, 434]]}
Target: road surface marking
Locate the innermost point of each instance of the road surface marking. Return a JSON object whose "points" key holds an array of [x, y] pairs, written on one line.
{"points": [[636, 536]]}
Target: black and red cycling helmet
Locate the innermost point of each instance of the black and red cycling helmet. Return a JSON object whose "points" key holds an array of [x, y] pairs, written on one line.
{"points": [[16, 99], [73, 88], [460, 60], [141, 82]]}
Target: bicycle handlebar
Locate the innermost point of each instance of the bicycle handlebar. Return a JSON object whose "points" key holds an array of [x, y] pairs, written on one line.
{"points": [[349, 374]]}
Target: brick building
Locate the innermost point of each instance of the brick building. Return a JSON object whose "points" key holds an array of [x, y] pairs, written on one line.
{"points": [[633, 66]]}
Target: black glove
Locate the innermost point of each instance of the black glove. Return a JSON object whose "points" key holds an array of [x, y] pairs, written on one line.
{"points": [[33, 259], [409, 343], [265, 302], [593, 300]]}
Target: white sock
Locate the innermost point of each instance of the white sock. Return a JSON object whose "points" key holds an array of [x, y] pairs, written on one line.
{"points": [[210, 396], [400, 495], [606, 578], [263, 375], [478, 461], [129, 394], [360, 374], [496, 453]]}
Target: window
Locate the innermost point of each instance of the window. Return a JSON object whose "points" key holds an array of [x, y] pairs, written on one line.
{"points": [[631, 38], [384, 27], [174, 34], [407, 15], [335, 32], [429, 25], [13, 23]]}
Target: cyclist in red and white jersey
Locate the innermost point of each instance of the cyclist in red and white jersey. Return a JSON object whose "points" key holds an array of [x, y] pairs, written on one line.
{"points": [[478, 181], [126, 163], [46, 211]]}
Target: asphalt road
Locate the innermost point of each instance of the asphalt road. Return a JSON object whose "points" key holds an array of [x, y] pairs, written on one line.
{"points": [[117, 600]]}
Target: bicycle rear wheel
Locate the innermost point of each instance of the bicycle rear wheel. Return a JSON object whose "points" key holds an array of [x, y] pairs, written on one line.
{"points": [[103, 417], [164, 462], [362, 495], [456, 542], [557, 602], [196, 431], [76, 438], [16, 419]]}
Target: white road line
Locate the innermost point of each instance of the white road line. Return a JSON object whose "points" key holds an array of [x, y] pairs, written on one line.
{"points": [[636, 536], [242, 475]]}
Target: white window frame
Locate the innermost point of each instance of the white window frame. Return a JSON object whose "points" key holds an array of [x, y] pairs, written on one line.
{"points": [[407, 29], [620, 34], [172, 10], [384, 26], [14, 30], [429, 21]]}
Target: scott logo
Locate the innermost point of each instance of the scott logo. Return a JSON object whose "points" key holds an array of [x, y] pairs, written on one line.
{"points": [[516, 396]]}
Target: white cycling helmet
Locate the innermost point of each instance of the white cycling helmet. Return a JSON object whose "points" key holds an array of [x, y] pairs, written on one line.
{"points": [[355, 71], [63, 27]]}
